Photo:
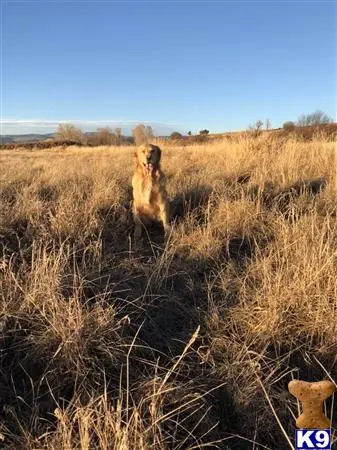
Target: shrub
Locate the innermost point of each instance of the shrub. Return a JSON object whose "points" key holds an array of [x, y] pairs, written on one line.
{"points": [[176, 135], [142, 134], [316, 118], [105, 136], [289, 125], [204, 132], [68, 132]]}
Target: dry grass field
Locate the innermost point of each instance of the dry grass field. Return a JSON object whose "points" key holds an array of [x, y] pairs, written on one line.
{"points": [[185, 345]]}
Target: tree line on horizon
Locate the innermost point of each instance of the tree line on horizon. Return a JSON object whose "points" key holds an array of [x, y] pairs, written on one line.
{"points": [[307, 120], [316, 118], [141, 134], [67, 132]]}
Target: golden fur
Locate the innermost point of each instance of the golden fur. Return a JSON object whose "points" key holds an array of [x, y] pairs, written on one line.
{"points": [[149, 191]]}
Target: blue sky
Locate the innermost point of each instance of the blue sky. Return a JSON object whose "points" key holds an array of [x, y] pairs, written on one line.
{"points": [[183, 65]]}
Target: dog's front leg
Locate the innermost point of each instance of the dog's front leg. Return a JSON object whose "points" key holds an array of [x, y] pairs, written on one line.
{"points": [[138, 227], [164, 217]]}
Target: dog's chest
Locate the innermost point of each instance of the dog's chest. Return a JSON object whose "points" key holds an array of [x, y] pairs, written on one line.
{"points": [[150, 192]]}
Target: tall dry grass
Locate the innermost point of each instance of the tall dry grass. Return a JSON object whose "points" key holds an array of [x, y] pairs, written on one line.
{"points": [[183, 345]]}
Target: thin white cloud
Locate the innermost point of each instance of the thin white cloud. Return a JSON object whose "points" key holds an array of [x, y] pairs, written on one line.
{"points": [[43, 122]]}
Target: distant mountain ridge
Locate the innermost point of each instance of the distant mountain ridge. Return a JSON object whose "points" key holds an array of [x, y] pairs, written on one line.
{"points": [[23, 138], [36, 137], [21, 133]]}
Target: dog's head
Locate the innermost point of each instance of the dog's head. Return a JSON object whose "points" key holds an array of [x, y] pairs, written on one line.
{"points": [[148, 157]]}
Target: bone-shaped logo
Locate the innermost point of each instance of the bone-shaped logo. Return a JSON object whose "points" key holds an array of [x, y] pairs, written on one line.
{"points": [[312, 396]]}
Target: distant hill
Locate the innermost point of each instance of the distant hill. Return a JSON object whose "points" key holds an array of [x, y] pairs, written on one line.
{"points": [[41, 131], [23, 138], [28, 138]]}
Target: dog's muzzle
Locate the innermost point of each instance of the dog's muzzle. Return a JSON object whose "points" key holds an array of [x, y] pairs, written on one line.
{"points": [[149, 166]]}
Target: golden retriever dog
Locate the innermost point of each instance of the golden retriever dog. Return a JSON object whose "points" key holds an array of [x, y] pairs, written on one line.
{"points": [[150, 201]]}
